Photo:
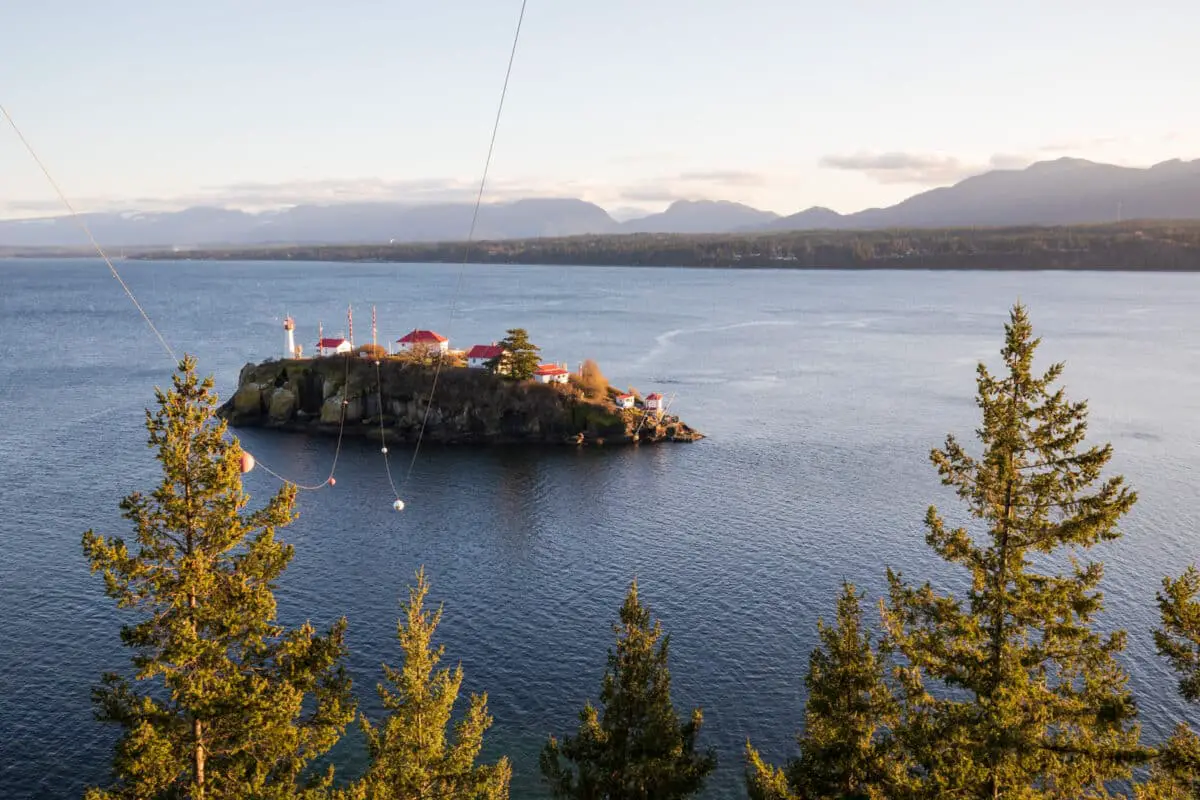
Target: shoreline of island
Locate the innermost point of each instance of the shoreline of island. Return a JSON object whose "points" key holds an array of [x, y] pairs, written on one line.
{"points": [[1134, 246]]}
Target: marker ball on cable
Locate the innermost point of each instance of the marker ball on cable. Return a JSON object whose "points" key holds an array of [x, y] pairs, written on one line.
{"points": [[247, 462], [398, 505], [332, 481]]}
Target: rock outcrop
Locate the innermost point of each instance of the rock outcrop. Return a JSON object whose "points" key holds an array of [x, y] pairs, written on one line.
{"points": [[470, 406]]}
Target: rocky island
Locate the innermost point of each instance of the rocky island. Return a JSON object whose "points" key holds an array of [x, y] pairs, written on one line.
{"points": [[386, 398]]}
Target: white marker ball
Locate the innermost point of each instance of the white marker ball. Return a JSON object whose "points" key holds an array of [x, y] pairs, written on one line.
{"points": [[398, 505], [383, 450]]}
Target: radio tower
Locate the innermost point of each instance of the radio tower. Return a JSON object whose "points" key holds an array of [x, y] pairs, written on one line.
{"points": [[373, 343], [350, 322]]}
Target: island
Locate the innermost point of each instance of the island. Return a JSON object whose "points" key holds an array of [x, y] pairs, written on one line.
{"points": [[386, 398], [1146, 245]]}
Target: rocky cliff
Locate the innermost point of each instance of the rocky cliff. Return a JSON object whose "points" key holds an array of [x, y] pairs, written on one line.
{"points": [[470, 406]]}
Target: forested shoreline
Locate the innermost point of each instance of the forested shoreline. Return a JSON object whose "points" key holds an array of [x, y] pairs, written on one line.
{"points": [[1149, 246]]}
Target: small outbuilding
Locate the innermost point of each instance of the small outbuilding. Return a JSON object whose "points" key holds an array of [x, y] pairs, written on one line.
{"points": [[551, 373], [479, 355], [332, 346], [423, 341]]}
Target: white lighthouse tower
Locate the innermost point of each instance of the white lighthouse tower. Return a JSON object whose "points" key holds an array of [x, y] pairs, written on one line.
{"points": [[289, 327]]}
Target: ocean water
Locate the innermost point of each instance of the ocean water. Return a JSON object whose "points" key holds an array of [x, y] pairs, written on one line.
{"points": [[821, 394]]}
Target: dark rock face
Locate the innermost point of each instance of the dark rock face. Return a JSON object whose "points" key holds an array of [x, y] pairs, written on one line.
{"points": [[469, 406]]}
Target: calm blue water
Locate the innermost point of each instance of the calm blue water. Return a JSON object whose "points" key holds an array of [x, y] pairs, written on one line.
{"points": [[821, 393]]}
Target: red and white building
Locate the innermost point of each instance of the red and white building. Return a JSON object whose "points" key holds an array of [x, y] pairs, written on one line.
{"points": [[479, 355], [551, 373], [654, 402], [624, 400], [426, 341], [328, 347]]}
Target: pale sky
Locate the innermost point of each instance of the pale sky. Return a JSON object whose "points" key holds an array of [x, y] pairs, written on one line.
{"points": [[781, 104]]}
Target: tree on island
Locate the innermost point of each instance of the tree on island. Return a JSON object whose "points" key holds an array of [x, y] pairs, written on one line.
{"points": [[240, 706], [592, 380], [1037, 704], [518, 358], [412, 754], [635, 748], [847, 749]]}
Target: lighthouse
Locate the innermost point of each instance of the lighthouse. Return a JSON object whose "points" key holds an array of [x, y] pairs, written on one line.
{"points": [[289, 328]]}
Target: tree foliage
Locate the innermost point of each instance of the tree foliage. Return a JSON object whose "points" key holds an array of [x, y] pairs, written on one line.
{"points": [[634, 747], [519, 357], [1177, 769], [592, 381], [846, 749], [413, 757], [239, 705], [1033, 702]]}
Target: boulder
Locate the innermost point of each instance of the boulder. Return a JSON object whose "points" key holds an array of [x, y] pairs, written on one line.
{"points": [[283, 405], [331, 410], [248, 400]]}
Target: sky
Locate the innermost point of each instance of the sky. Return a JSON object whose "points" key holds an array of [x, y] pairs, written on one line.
{"points": [[779, 104]]}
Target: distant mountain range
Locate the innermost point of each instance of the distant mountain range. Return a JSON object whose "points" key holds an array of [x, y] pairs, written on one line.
{"points": [[1066, 191]]}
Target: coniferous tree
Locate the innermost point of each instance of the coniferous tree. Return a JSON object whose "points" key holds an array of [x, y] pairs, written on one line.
{"points": [[635, 747], [1037, 705], [1176, 771], [846, 750], [412, 755], [518, 358], [239, 705]]}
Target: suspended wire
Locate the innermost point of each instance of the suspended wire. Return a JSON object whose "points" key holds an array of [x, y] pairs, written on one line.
{"points": [[79, 220], [337, 450], [383, 432], [467, 252]]}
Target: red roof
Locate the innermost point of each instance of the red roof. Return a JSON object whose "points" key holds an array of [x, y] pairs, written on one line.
{"points": [[422, 337], [485, 351], [335, 343], [624, 397], [654, 396], [550, 369]]}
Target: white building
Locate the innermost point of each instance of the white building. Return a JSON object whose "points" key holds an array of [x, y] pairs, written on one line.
{"points": [[479, 355], [624, 400], [423, 341], [551, 373], [329, 347], [654, 402]]}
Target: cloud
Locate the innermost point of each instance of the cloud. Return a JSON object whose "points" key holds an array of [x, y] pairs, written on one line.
{"points": [[727, 177], [268, 195], [693, 185], [262, 196], [919, 168], [1073, 145]]}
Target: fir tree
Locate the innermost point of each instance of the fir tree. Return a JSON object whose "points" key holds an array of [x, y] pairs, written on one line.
{"points": [[846, 750], [1177, 769], [1037, 705], [635, 748], [518, 358], [239, 706], [412, 755]]}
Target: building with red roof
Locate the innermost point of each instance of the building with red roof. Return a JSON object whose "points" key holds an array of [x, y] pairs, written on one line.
{"points": [[420, 340], [330, 346], [551, 373], [479, 355]]}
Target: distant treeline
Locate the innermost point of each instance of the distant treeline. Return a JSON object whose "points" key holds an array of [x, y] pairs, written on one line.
{"points": [[1160, 246]]}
